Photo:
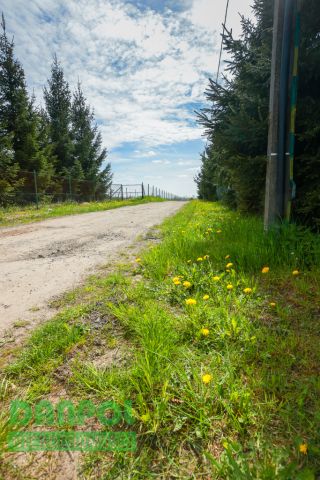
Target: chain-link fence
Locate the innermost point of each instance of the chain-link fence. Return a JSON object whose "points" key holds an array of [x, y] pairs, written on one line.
{"points": [[31, 187]]}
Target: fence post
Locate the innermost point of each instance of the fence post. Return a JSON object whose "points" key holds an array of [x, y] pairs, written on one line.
{"points": [[142, 190], [121, 191], [148, 189], [36, 188], [70, 188]]}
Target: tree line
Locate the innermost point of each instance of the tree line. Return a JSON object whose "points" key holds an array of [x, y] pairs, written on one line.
{"points": [[233, 163], [58, 140]]}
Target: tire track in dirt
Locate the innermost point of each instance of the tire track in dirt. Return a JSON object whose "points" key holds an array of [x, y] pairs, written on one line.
{"points": [[39, 262]]}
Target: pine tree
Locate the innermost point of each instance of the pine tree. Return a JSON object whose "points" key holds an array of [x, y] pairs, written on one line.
{"points": [[236, 119], [57, 98], [89, 154], [16, 110], [9, 170], [306, 168], [47, 159]]}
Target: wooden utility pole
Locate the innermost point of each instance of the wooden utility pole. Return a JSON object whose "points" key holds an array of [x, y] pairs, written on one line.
{"points": [[290, 190], [279, 180], [274, 189]]}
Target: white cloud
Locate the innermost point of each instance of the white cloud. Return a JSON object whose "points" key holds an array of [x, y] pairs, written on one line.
{"points": [[137, 70], [209, 14]]}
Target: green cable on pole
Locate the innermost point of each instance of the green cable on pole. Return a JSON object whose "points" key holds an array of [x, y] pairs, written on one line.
{"points": [[293, 110]]}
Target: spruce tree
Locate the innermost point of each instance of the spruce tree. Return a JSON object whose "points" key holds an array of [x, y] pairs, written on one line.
{"points": [[57, 98], [47, 159], [306, 168], [236, 118], [89, 154], [9, 170], [16, 110]]}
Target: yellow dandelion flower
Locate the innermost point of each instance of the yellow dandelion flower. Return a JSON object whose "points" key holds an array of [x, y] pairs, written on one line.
{"points": [[205, 331], [206, 257], [199, 259], [219, 231], [191, 301], [265, 270], [207, 378], [228, 270], [272, 304], [216, 278], [138, 260], [187, 284], [229, 286], [205, 297], [226, 257], [177, 282], [303, 448], [145, 418], [229, 265], [176, 279], [295, 273], [247, 290]]}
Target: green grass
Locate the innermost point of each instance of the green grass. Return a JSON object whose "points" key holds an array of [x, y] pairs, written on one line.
{"points": [[236, 403], [20, 215]]}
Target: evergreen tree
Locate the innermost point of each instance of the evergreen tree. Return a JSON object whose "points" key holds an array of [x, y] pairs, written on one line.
{"points": [[89, 154], [205, 179], [16, 110], [236, 119], [47, 159], [9, 180], [306, 166], [57, 98]]}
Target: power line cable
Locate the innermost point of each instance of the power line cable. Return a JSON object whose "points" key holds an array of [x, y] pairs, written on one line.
{"points": [[221, 46], [221, 49]]}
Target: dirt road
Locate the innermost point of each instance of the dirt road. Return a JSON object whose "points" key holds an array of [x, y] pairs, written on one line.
{"points": [[41, 260]]}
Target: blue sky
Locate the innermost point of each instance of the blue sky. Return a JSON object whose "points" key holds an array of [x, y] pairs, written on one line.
{"points": [[143, 65]]}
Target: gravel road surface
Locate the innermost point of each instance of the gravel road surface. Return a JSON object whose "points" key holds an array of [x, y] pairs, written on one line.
{"points": [[41, 260]]}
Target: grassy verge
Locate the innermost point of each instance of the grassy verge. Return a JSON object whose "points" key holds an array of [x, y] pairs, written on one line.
{"points": [[220, 360], [19, 215]]}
